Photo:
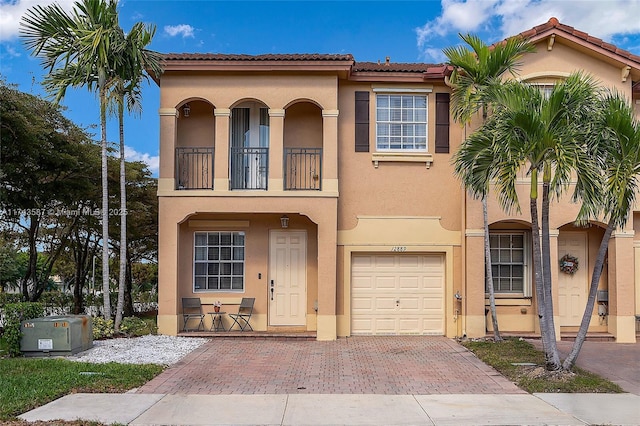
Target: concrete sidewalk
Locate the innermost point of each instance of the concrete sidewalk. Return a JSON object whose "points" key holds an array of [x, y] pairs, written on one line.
{"points": [[356, 381], [337, 409]]}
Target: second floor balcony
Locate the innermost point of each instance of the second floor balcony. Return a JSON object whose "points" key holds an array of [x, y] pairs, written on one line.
{"points": [[249, 168], [251, 147]]}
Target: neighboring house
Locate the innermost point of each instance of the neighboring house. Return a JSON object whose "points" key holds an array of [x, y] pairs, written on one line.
{"points": [[323, 187]]}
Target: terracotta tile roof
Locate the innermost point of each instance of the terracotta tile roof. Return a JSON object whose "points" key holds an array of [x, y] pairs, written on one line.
{"points": [[256, 58], [553, 23], [393, 67]]}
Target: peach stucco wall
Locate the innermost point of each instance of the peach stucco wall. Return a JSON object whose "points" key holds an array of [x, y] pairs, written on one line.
{"points": [[394, 189], [413, 204], [547, 66]]}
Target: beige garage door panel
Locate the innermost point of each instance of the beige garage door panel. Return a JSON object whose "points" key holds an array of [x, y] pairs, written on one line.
{"points": [[397, 294]]}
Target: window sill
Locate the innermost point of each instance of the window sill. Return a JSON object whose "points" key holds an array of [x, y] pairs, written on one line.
{"points": [[511, 300], [402, 157]]}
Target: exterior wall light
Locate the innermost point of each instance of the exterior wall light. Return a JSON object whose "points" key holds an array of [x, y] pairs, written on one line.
{"points": [[284, 221], [186, 110]]}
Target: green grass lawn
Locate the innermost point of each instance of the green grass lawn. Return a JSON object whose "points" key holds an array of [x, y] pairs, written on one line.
{"points": [[28, 383], [503, 355]]}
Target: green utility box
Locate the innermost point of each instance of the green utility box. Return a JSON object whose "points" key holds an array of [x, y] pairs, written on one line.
{"points": [[56, 335]]}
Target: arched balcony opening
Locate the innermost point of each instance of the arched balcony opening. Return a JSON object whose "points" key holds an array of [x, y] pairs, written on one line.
{"points": [[303, 147], [249, 149], [195, 130]]}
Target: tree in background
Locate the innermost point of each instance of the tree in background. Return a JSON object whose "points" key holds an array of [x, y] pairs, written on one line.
{"points": [[126, 86], [142, 232], [80, 49], [87, 48], [47, 165], [474, 71], [11, 269]]}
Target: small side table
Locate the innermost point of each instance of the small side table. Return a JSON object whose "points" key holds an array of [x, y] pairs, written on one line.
{"points": [[216, 321]]}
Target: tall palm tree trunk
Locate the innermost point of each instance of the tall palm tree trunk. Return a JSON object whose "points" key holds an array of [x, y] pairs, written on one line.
{"points": [[570, 361], [537, 264], [123, 220], [553, 361], [489, 272], [537, 272], [106, 299]]}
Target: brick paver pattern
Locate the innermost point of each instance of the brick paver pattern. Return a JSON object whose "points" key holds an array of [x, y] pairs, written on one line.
{"points": [[388, 365]]}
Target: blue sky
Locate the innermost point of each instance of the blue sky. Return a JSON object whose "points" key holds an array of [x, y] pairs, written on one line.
{"points": [[406, 31]]}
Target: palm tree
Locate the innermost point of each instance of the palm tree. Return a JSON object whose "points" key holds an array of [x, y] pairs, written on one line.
{"points": [[617, 146], [546, 135], [473, 72], [80, 49], [137, 59]]}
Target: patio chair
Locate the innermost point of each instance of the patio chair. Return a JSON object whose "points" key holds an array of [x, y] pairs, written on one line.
{"points": [[192, 310], [241, 319]]}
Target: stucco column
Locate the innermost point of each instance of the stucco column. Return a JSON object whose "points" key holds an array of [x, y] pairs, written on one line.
{"points": [[167, 269], [555, 269], [621, 289], [221, 144], [168, 139], [327, 259], [473, 298], [276, 149], [330, 150]]}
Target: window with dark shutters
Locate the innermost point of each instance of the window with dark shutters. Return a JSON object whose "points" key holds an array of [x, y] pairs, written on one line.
{"points": [[442, 123], [362, 122]]}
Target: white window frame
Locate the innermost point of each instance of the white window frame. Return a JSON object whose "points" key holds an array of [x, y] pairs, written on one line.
{"points": [[405, 124], [204, 254], [545, 88], [526, 262]]}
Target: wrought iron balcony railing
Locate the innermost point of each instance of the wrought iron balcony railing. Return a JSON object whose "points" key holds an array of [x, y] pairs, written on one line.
{"points": [[249, 168], [194, 168], [303, 169]]}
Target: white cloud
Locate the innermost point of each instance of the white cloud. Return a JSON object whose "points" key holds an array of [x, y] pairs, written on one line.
{"points": [[11, 13], [153, 161], [434, 55], [11, 52], [457, 16], [184, 30], [503, 18]]}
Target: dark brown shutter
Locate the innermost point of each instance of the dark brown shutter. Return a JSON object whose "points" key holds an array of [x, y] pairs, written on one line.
{"points": [[362, 121], [442, 123]]}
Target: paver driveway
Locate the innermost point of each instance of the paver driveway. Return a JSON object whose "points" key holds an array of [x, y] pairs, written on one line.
{"points": [[389, 365]]}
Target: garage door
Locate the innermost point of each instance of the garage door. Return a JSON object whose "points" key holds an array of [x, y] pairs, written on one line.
{"points": [[397, 294]]}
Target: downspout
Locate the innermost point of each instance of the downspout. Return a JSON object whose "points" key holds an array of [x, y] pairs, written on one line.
{"points": [[463, 276], [461, 317]]}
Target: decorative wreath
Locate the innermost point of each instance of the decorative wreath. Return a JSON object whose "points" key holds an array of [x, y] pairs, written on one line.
{"points": [[569, 264]]}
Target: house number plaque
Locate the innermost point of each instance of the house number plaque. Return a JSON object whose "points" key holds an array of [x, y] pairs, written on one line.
{"points": [[399, 248]]}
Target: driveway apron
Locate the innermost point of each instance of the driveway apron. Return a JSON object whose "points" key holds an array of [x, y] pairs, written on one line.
{"points": [[387, 365]]}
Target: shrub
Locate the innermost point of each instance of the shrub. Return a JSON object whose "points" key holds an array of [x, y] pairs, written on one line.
{"points": [[15, 313], [102, 329], [9, 298], [134, 326], [57, 302]]}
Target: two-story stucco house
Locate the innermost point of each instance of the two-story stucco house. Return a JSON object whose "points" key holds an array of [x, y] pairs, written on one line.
{"points": [[323, 188]]}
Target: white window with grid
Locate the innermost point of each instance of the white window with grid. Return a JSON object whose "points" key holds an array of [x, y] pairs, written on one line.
{"points": [[218, 261], [509, 262], [545, 89], [401, 122]]}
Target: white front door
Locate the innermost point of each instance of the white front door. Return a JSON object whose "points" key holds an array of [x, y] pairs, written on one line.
{"points": [[287, 277], [572, 288]]}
